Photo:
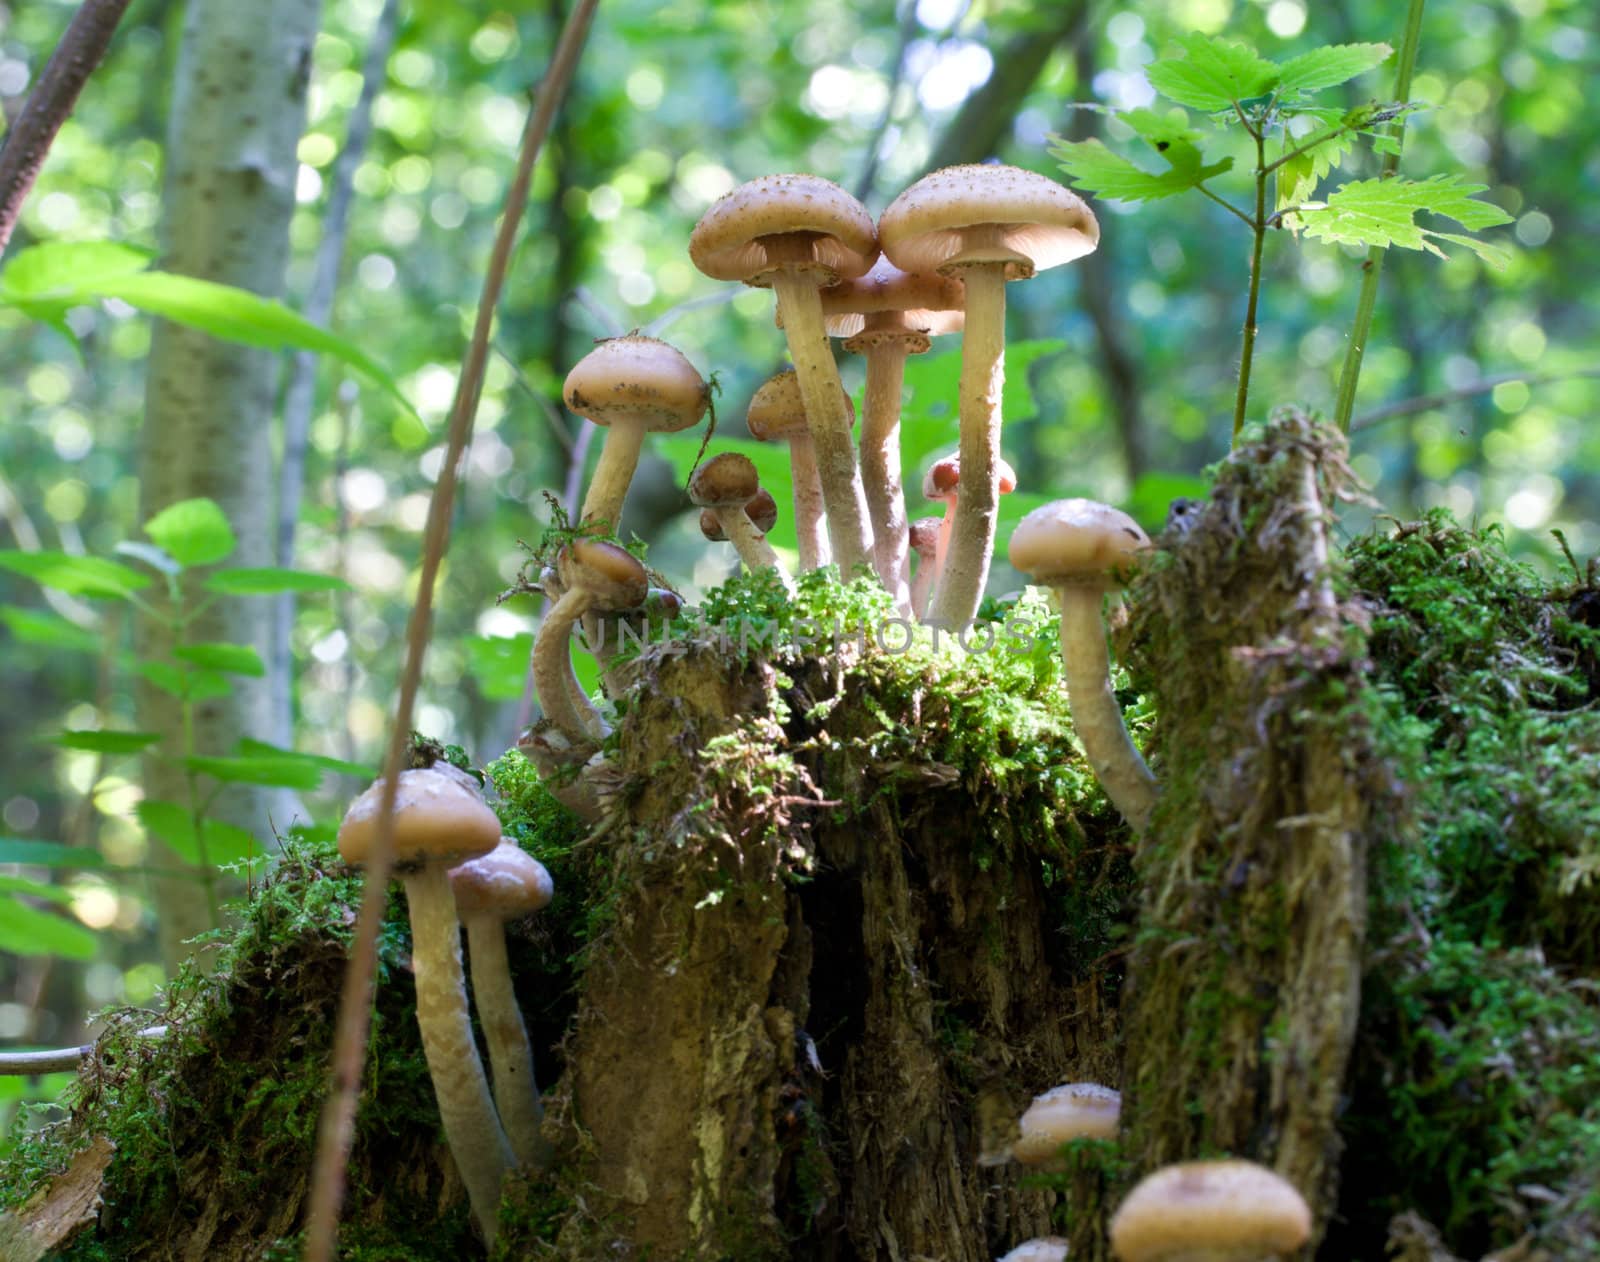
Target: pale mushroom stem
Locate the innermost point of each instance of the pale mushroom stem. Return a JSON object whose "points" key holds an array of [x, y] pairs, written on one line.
{"points": [[941, 549], [810, 524], [1095, 715], [880, 465], [564, 700], [619, 457], [922, 584], [516, 1089], [965, 570], [477, 1141], [750, 543], [849, 525]]}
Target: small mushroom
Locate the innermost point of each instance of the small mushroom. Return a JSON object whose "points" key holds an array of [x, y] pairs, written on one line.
{"points": [[1079, 547], [942, 485], [777, 413], [923, 537], [1211, 1211], [1074, 1110], [634, 385], [505, 884], [798, 234], [724, 485], [440, 820], [1044, 1249], [987, 225]]}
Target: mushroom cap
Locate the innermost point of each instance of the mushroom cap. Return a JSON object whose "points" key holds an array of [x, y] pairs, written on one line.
{"points": [[777, 411], [637, 376], [613, 576], [923, 536], [728, 480], [762, 510], [1044, 1249], [944, 478], [730, 241], [436, 817], [987, 213], [905, 304], [1074, 1110], [1076, 541], [1235, 1209], [505, 883]]}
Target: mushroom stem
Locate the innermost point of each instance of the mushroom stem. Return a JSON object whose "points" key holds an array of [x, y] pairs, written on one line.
{"points": [[516, 1090], [477, 1141], [619, 457], [810, 524], [564, 700], [941, 549], [880, 464], [965, 570], [927, 564], [849, 527], [1095, 715], [750, 543]]}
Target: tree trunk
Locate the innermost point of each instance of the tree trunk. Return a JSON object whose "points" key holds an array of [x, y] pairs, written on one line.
{"points": [[238, 110]]}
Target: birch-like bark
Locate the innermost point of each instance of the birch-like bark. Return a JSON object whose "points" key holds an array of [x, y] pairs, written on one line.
{"points": [[238, 109]]}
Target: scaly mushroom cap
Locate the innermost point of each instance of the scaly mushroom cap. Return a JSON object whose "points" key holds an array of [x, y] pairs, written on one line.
{"points": [[436, 816], [613, 576], [730, 241], [923, 535], [1044, 1249], [505, 883], [762, 510], [724, 481], [1074, 1110], [888, 302], [1234, 1209], [987, 214], [943, 478], [1076, 541], [637, 376], [777, 411]]}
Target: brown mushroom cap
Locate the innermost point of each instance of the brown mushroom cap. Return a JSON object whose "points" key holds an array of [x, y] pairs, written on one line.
{"points": [[1076, 541], [944, 478], [926, 304], [1074, 1110], [435, 817], [724, 481], [777, 411], [731, 240], [613, 576], [982, 213], [923, 534], [1234, 1209], [637, 376], [762, 510], [505, 883]]}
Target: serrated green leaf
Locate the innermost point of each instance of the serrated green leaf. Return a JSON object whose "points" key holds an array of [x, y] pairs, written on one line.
{"points": [[1496, 256], [1383, 212], [177, 681], [1333, 64], [1299, 176], [43, 269], [499, 663], [48, 854], [192, 532], [271, 771], [230, 659], [105, 742], [28, 930], [1090, 165], [77, 576], [35, 626], [268, 581], [324, 762], [1213, 73]]}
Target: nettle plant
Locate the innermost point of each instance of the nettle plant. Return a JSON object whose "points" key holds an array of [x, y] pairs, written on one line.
{"points": [[1297, 143], [178, 578]]}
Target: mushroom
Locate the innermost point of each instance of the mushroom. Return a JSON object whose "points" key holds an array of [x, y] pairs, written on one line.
{"points": [[440, 819], [635, 385], [725, 484], [798, 234], [1074, 1110], [923, 536], [661, 605], [942, 484], [503, 885], [600, 577], [762, 510], [1210, 1211], [887, 315], [1078, 547], [1044, 1249], [777, 413], [987, 225]]}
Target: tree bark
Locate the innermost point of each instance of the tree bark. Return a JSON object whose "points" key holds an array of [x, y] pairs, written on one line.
{"points": [[238, 110]]}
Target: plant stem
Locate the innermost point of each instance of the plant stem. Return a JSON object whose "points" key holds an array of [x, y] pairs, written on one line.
{"points": [[1258, 227], [1367, 303]]}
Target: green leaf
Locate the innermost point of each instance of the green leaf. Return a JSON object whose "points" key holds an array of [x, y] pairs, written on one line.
{"points": [[228, 843], [1383, 212], [269, 582], [172, 824], [35, 626], [230, 659], [180, 681], [1093, 167], [499, 663], [41, 270], [192, 532], [1213, 74], [34, 889], [323, 762], [1333, 64], [1496, 256], [77, 576], [28, 930], [273, 771], [1299, 176], [48, 854], [104, 742]]}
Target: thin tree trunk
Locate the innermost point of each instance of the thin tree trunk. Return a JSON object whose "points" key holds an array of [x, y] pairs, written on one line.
{"points": [[238, 109]]}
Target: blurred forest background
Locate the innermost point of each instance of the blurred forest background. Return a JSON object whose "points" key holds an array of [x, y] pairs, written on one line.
{"points": [[1477, 391]]}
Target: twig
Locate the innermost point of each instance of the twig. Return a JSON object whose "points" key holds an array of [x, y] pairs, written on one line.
{"points": [[610, 326], [670, 316], [87, 37], [552, 417], [1426, 402], [58, 1060], [355, 1000]]}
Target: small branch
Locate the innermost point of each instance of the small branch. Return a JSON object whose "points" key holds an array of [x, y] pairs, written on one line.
{"points": [[1258, 226], [355, 1001], [610, 326], [1228, 206], [552, 417], [1427, 402], [1318, 139], [58, 1060], [671, 314], [87, 37]]}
